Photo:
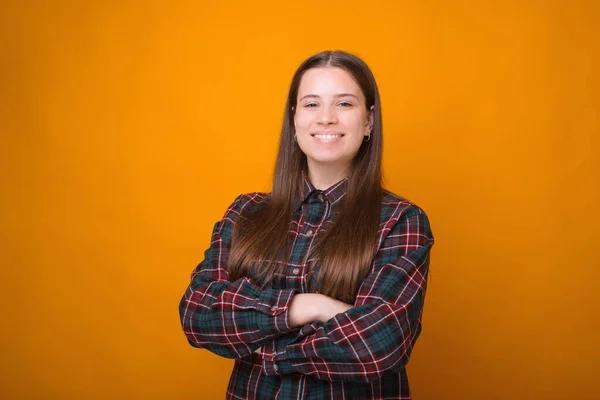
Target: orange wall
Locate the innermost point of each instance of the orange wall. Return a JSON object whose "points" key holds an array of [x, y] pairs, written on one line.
{"points": [[128, 127]]}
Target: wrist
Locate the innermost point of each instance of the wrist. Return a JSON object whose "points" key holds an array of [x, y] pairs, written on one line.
{"points": [[317, 305], [314, 304], [305, 308]]}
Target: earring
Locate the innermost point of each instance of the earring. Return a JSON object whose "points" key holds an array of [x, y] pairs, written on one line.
{"points": [[368, 137], [295, 138]]}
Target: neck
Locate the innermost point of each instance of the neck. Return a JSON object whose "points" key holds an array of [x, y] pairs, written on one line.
{"points": [[323, 176]]}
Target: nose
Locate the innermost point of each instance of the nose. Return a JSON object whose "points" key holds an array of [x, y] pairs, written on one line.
{"points": [[327, 115]]}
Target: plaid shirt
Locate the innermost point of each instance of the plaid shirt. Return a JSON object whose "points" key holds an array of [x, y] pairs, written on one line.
{"points": [[358, 354]]}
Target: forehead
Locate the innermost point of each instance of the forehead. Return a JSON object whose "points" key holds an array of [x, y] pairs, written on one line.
{"points": [[328, 81]]}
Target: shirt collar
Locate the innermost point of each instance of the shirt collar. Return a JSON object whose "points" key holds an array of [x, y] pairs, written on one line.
{"points": [[333, 194]]}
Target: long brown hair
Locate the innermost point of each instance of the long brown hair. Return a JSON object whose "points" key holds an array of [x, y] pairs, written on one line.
{"points": [[346, 250]]}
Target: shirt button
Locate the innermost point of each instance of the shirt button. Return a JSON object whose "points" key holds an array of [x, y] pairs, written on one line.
{"points": [[296, 271], [275, 368], [321, 197], [274, 308], [309, 233]]}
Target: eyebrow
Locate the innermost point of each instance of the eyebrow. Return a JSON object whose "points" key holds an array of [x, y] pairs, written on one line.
{"points": [[336, 96]]}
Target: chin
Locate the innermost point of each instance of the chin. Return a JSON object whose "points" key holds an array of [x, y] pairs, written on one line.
{"points": [[327, 159]]}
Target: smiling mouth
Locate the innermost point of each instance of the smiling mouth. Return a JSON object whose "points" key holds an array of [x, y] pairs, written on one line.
{"points": [[327, 136]]}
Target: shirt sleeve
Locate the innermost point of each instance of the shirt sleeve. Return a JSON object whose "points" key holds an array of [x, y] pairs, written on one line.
{"points": [[231, 319], [379, 332]]}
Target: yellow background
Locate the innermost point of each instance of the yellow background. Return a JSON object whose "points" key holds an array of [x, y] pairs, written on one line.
{"points": [[128, 127]]}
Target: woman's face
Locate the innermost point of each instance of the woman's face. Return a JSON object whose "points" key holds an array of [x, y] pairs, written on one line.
{"points": [[331, 119]]}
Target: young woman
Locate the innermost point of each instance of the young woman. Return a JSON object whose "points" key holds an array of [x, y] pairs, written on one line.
{"points": [[316, 289]]}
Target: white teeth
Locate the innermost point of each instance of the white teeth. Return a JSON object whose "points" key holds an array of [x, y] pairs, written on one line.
{"points": [[327, 136]]}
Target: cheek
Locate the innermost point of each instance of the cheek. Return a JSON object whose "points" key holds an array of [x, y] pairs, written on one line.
{"points": [[302, 120], [356, 122]]}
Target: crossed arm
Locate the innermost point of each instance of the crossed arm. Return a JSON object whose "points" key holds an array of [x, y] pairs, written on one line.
{"points": [[309, 333], [306, 308]]}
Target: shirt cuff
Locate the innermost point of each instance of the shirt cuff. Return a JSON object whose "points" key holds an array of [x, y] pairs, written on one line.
{"points": [[273, 360], [273, 306], [281, 367]]}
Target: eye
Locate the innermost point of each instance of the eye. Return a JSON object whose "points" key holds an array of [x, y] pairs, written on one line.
{"points": [[310, 105], [345, 104]]}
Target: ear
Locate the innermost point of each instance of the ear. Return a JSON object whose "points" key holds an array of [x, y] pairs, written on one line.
{"points": [[370, 118]]}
